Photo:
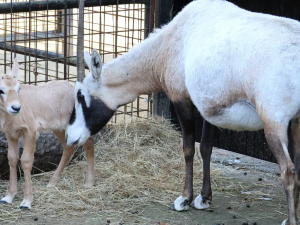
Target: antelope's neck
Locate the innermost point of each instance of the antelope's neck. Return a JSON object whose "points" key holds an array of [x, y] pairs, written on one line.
{"points": [[145, 69]]}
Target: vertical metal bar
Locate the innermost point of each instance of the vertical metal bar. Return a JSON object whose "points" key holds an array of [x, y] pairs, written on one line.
{"points": [[11, 31], [116, 29], [5, 34], [47, 44], [29, 43], [65, 40]]}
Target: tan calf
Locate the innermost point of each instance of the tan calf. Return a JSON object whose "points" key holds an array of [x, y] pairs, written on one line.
{"points": [[26, 110]]}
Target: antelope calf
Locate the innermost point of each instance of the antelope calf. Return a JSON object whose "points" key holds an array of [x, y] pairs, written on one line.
{"points": [[26, 110]]}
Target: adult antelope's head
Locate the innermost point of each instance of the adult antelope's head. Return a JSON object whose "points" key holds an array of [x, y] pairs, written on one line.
{"points": [[90, 113], [9, 91]]}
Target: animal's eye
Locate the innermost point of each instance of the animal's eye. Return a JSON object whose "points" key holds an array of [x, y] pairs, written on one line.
{"points": [[1, 92]]}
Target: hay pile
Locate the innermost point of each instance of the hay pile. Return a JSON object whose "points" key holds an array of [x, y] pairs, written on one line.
{"points": [[135, 163]]}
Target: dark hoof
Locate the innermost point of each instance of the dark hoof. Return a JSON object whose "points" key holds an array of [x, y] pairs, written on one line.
{"points": [[3, 202], [192, 205], [172, 207], [24, 207]]}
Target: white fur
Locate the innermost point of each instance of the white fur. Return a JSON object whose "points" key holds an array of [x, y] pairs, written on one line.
{"points": [[178, 204], [26, 203], [8, 198], [77, 132], [84, 92], [284, 222], [240, 69], [87, 58], [198, 203]]}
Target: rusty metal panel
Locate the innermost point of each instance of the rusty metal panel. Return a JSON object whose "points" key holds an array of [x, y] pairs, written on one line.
{"points": [[43, 37]]}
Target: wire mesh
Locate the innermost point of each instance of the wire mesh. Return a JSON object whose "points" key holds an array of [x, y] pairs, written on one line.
{"points": [[45, 42]]}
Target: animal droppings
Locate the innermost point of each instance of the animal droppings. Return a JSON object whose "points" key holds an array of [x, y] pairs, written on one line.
{"points": [[244, 223], [210, 210], [108, 221], [248, 206], [254, 223], [234, 217], [245, 173], [35, 219], [259, 179], [229, 207]]}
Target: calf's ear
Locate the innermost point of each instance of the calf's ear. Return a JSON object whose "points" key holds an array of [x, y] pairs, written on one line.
{"points": [[96, 64]]}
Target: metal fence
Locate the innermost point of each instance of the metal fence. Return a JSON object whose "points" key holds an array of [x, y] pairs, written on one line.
{"points": [[43, 37]]}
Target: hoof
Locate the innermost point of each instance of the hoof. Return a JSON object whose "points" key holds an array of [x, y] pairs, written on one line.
{"points": [[180, 204], [50, 185], [3, 202], [172, 207], [199, 204], [24, 207], [284, 222]]}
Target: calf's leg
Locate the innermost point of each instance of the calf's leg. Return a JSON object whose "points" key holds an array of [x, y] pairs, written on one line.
{"points": [[66, 157], [26, 162], [89, 149], [203, 200], [184, 110], [67, 154], [13, 158]]}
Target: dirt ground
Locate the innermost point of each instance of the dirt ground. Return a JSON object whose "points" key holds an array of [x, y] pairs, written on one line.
{"points": [[246, 191]]}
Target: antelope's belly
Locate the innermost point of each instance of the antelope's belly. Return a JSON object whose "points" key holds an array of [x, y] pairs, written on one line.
{"points": [[239, 116]]}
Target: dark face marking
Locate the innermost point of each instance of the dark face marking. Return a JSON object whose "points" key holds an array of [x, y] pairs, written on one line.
{"points": [[97, 115], [73, 116]]}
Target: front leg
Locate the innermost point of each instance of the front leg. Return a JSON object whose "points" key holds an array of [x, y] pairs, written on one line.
{"points": [[27, 161], [208, 132], [184, 110], [13, 157]]}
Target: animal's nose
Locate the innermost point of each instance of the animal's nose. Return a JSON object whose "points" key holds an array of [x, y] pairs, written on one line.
{"points": [[16, 108]]}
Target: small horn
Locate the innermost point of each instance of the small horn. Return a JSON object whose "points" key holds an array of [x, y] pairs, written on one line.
{"points": [[80, 53]]}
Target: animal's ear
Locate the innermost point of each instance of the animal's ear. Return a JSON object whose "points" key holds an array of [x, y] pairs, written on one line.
{"points": [[96, 64], [87, 58], [15, 69]]}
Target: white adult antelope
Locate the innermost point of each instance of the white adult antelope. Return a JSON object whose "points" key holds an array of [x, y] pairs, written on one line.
{"points": [[240, 69], [26, 110]]}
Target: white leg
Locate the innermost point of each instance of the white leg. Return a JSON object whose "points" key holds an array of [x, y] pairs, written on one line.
{"points": [[13, 157]]}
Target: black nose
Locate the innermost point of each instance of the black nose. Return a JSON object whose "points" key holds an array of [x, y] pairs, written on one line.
{"points": [[16, 108]]}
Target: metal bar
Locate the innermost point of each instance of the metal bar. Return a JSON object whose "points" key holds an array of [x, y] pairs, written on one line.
{"points": [[52, 56], [7, 8], [65, 41]]}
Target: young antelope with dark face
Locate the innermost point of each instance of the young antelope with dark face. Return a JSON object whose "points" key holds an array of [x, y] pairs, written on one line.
{"points": [[26, 110]]}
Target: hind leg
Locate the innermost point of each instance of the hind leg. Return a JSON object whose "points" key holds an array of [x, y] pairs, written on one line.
{"points": [[184, 110], [89, 149], [203, 200], [67, 154], [276, 135], [295, 128]]}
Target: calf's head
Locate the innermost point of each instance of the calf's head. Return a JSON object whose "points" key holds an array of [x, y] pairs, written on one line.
{"points": [[90, 114], [9, 91]]}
